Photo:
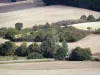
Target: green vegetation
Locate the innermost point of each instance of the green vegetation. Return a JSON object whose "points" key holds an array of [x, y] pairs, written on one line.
{"points": [[89, 4], [34, 55], [22, 50], [19, 26], [80, 54], [7, 49], [97, 31]]}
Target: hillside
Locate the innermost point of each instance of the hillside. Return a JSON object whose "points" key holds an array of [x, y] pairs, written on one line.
{"points": [[41, 15]]}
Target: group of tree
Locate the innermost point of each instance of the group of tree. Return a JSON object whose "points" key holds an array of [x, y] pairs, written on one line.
{"points": [[37, 33], [89, 4]]}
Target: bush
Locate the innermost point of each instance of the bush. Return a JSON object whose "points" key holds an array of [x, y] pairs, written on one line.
{"points": [[34, 48], [22, 50], [91, 18], [97, 31], [60, 54], [7, 49], [83, 18], [80, 54], [34, 55]]}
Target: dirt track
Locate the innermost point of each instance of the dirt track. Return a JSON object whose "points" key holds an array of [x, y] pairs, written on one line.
{"points": [[49, 65]]}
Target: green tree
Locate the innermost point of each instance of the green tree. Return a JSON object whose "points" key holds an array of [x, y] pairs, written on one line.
{"points": [[8, 48], [80, 54], [83, 18], [22, 50], [33, 48], [19, 26], [11, 32], [65, 46], [48, 47], [91, 18], [61, 53]]}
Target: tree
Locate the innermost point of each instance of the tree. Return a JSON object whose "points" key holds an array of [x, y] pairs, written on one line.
{"points": [[34, 55], [80, 54], [65, 46], [22, 50], [61, 53], [83, 18], [8, 48], [11, 32], [48, 47], [33, 48], [91, 18], [19, 26]]}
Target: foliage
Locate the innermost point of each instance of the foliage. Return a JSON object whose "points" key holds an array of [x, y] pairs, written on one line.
{"points": [[97, 31], [22, 50], [11, 32], [80, 54], [3, 31], [7, 49], [83, 18], [34, 48], [19, 26], [91, 18], [90, 4], [34, 55], [48, 47]]}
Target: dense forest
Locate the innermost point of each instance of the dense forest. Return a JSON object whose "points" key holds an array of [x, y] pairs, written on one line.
{"points": [[89, 4]]}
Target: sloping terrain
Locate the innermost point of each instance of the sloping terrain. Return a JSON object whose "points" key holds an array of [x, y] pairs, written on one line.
{"points": [[41, 15], [92, 41], [84, 26]]}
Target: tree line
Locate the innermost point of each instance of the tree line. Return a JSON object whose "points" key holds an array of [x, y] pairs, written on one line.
{"points": [[89, 4]]}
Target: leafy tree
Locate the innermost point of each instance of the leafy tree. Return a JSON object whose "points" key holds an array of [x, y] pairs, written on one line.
{"points": [[80, 54], [11, 32], [65, 46], [34, 55], [33, 48], [83, 18], [48, 47], [19, 26], [91, 18], [60, 53], [22, 50], [7, 49]]}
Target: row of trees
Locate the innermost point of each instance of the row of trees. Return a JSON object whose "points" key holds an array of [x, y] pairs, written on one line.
{"points": [[83, 19], [90, 4], [37, 33], [47, 49]]}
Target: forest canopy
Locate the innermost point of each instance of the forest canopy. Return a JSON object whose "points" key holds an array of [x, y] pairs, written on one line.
{"points": [[89, 4]]}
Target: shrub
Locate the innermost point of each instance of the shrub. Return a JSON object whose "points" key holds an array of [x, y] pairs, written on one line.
{"points": [[11, 32], [83, 18], [80, 54], [60, 53], [97, 31], [34, 48], [34, 55], [19, 26], [91, 18], [7, 49], [22, 50]]}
